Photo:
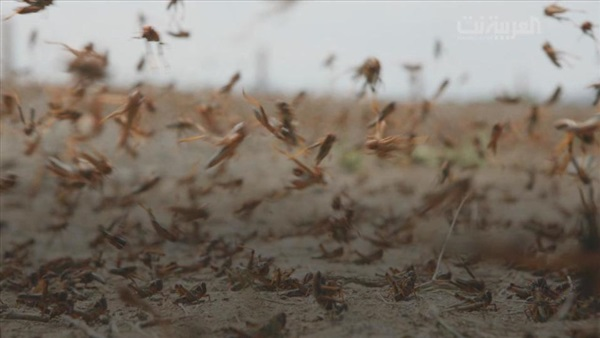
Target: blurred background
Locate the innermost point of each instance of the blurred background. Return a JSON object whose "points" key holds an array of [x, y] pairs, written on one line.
{"points": [[485, 49]]}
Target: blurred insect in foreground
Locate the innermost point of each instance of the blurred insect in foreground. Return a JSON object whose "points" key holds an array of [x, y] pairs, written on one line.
{"points": [[587, 29], [412, 68], [229, 144], [554, 97], [596, 86], [299, 98], [370, 70], [507, 98], [382, 146], [324, 147], [415, 80], [95, 160], [176, 5], [582, 130], [226, 89], [441, 89], [184, 124], [387, 110], [306, 176], [329, 61], [180, 32], [445, 172], [277, 8], [128, 117], [287, 129], [88, 65], [438, 49], [160, 230], [554, 55], [33, 6], [33, 37], [10, 102], [554, 11], [533, 119], [8, 182], [142, 19], [141, 64], [83, 173], [449, 194], [151, 35], [496, 133], [284, 130], [31, 128], [427, 104]]}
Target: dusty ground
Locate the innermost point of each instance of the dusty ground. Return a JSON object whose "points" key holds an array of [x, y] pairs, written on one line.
{"points": [[384, 195]]}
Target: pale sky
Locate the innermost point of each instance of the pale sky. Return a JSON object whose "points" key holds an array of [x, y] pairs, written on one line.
{"points": [[227, 35]]}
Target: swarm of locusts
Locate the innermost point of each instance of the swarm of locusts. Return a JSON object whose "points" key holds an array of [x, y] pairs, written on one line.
{"points": [[296, 213]]}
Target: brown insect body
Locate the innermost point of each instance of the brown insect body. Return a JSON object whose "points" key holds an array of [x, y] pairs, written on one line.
{"points": [[150, 34], [191, 296], [160, 230], [477, 303], [34, 6], [496, 133], [226, 89], [585, 130], [402, 285], [182, 34], [328, 295], [551, 53], [370, 70], [229, 144]]}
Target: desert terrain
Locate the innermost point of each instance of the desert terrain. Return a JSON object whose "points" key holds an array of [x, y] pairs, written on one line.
{"points": [[159, 210]]}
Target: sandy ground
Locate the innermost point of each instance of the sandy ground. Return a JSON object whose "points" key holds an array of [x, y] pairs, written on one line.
{"points": [[288, 226]]}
